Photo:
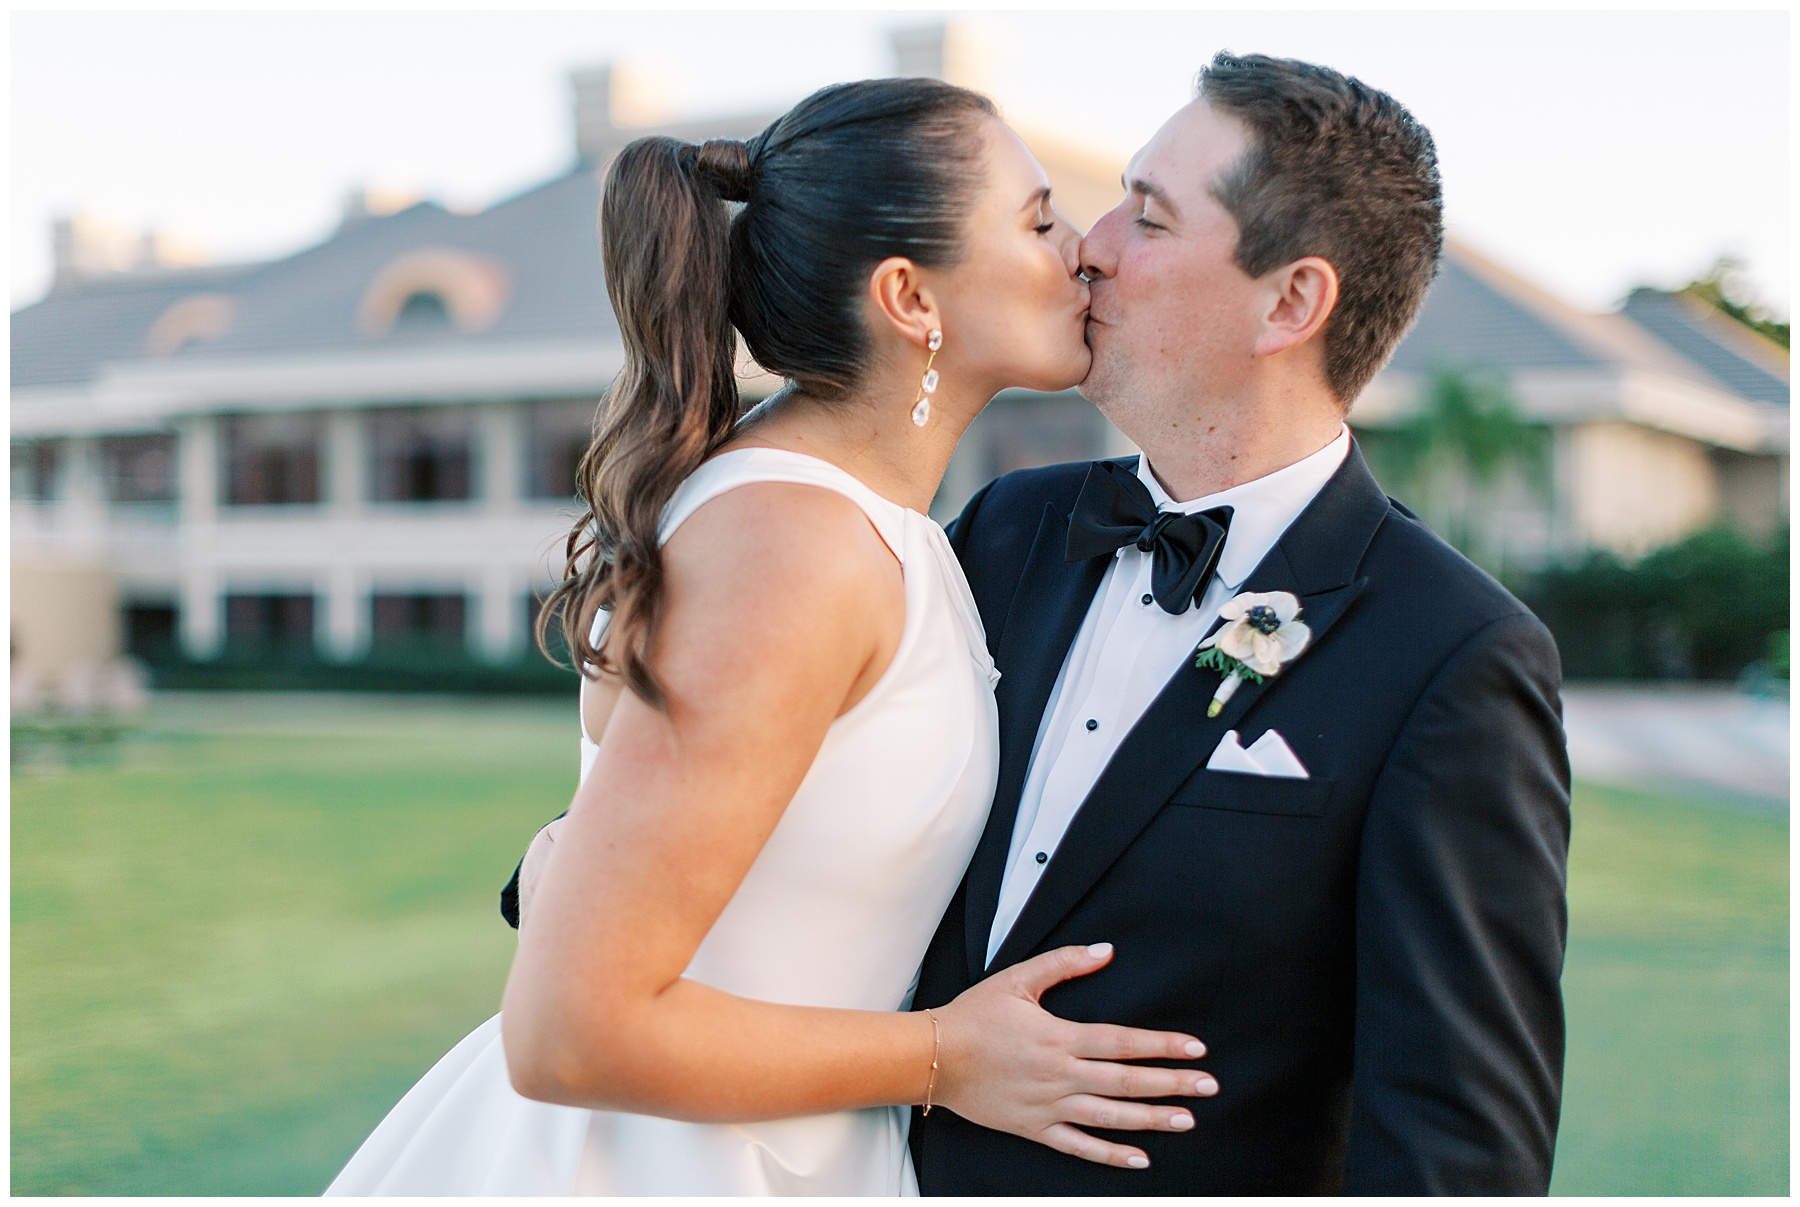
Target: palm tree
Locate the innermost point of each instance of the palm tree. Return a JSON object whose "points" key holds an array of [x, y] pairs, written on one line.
{"points": [[1451, 459]]}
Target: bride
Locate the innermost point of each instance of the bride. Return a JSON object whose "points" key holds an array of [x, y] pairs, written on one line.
{"points": [[791, 736]]}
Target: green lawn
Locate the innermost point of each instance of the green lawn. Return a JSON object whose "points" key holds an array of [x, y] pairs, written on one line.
{"points": [[233, 952], [236, 944], [1677, 992]]}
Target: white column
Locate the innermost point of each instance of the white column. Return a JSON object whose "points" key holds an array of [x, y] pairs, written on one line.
{"points": [[344, 627], [345, 632], [202, 613], [500, 455], [1565, 536], [499, 631], [81, 503], [198, 445], [202, 598], [346, 465], [500, 612]]}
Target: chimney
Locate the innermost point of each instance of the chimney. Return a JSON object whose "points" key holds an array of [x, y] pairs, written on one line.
{"points": [[919, 51], [954, 51], [62, 251], [355, 209], [593, 112], [83, 246], [614, 102]]}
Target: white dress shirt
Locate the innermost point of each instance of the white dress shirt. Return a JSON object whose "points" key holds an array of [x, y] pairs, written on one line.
{"points": [[1126, 651]]}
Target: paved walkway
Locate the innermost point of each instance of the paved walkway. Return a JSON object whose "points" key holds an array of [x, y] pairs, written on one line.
{"points": [[1680, 737]]}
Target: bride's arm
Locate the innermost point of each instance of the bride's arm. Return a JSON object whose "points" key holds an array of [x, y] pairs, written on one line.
{"points": [[599, 696], [781, 609]]}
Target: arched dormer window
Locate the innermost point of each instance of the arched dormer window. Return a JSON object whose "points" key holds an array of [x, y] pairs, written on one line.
{"points": [[423, 311], [202, 316], [434, 288]]}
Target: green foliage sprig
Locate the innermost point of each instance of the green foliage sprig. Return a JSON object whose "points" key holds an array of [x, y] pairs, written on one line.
{"points": [[1215, 659]]}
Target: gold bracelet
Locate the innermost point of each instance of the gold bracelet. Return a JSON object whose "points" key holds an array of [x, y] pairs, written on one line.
{"points": [[931, 1084]]}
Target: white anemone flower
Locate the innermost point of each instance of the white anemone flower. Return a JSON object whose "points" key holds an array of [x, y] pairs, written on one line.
{"points": [[1261, 630]]}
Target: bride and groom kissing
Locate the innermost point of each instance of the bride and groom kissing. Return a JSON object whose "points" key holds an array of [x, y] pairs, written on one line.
{"points": [[1191, 823]]}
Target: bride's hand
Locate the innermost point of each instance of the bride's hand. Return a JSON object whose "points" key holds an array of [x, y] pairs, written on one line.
{"points": [[1008, 1064]]}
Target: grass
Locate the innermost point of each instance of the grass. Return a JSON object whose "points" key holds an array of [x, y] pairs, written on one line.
{"points": [[1677, 991], [238, 942], [236, 948]]}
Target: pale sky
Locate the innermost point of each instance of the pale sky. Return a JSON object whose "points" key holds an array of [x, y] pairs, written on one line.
{"points": [[1587, 151]]}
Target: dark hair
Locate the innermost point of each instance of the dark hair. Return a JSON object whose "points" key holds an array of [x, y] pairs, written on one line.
{"points": [[851, 175], [1338, 170]]}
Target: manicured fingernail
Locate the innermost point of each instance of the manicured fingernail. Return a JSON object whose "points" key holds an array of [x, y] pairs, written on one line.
{"points": [[1100, 951], [1182, 1122], [1195, 1048], [1206, 1086], [1138, 1162]]}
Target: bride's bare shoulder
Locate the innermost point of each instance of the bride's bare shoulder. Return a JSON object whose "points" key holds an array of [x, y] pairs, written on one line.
{"points": [[781, 591], [774, 528], [802, 549]]}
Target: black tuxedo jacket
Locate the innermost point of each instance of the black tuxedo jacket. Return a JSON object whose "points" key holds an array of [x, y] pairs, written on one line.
{"points": [[1372, 955]]}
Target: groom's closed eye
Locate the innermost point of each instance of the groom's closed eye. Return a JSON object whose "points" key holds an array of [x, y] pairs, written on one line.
{"points": [[1152, 194]]}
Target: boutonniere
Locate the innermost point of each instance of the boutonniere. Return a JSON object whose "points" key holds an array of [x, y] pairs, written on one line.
{"points": [[1262, 633]]}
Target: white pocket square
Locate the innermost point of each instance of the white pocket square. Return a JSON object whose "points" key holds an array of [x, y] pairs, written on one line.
{"points": [[1268, 755]]}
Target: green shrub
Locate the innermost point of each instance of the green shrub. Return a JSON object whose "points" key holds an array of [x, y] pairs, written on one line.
{"points": [[1707, 606], [417, 667]]}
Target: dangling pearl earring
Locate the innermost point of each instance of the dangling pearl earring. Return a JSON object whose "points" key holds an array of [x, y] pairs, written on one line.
{"points": [[921, 412]]}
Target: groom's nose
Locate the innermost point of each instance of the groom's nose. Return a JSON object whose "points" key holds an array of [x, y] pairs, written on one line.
{"points": [[1097, 253]]}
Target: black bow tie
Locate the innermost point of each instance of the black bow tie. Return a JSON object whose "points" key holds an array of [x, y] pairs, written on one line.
{"points": [[1115, 510]]}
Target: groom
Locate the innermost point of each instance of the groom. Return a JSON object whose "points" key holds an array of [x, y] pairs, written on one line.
{"points": [[1350, 881]]}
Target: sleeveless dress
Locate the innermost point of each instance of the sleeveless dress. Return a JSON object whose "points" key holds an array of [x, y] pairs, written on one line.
{"points": [[836, 911]]}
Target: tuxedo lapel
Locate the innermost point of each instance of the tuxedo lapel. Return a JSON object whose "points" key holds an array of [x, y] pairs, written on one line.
{"points": [[1316, 560], [1046, 614]]}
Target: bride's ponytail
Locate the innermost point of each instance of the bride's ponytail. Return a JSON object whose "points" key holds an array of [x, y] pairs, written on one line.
{"points": [[851, 175], [664, 235]]}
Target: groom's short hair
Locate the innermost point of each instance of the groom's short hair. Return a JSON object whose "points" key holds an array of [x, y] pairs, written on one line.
{"points": [[1338, 170]]}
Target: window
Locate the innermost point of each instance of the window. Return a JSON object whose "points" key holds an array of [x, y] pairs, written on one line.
{"points": [[139, 469], [150, 630], [414, 620], [560, 433], [192, 320], [269, 623], [272, 459], [421, 456], [422, 312], [34, 470], [432, 289]]}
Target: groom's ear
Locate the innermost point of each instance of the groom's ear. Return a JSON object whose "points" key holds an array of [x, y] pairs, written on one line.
{"points": [[1298, 300], [900, 299]]}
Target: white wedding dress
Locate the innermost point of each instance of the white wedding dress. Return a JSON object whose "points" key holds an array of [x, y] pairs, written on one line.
{"points": [[836, 911]]}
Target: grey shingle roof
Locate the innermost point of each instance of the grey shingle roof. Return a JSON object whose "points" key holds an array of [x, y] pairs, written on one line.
{"points": [[1479, 315], [66, 337], [1475, 315], [1737, 358], [546, 238], [1466, 322]]}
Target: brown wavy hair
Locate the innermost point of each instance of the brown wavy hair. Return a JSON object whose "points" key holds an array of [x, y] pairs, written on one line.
{"points": [[853, 174]]}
